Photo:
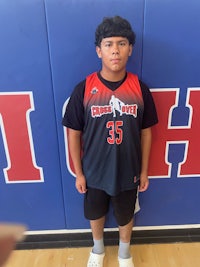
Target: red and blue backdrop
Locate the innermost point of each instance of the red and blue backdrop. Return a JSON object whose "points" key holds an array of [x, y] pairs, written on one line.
{"points": [[46, 48]]}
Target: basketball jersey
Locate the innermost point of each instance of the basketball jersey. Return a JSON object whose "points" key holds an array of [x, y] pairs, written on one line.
{"points": [[111, 134]]}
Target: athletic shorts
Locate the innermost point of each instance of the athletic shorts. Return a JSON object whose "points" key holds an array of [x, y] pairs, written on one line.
{"points": [[96, 205]]}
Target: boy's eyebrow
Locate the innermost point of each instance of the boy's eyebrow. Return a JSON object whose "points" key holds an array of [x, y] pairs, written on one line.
{"points": [[111, 41]]}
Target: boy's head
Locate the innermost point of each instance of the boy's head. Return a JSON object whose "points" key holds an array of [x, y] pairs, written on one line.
{"points": [[114, 27]]}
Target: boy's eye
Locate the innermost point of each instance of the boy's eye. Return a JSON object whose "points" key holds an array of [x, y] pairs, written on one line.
{"points": [[122, 43], [109, 44]]}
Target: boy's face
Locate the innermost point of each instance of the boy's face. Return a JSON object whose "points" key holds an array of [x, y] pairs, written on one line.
{"points": [[114, 53]]}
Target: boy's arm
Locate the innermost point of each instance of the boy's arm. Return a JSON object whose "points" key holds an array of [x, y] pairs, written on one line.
{"points": [[146, 147], [75, 151]]}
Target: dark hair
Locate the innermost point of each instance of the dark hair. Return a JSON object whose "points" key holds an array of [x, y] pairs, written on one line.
{"points": [[113, 27]]}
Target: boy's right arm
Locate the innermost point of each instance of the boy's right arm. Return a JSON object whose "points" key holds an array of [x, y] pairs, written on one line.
{"points": [[75, 151]]}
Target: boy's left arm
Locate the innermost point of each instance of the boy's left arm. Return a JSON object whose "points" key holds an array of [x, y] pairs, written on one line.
{"points": [[145, 147]]}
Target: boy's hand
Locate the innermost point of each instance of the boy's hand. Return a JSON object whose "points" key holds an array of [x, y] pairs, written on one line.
{"points": [[81, 184], [144, 183]]}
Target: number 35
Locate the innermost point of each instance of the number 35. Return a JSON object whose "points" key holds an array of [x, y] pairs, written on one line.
{"points": [[115, 132]]}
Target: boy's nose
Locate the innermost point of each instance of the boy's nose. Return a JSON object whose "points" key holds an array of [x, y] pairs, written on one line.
{"points": [[115, 49]]}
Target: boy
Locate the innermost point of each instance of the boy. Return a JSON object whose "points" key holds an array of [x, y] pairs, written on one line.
{"points": [[112, 112]]}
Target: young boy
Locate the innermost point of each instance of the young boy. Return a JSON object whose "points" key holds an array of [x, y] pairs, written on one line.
{"points": [[111, 113]]}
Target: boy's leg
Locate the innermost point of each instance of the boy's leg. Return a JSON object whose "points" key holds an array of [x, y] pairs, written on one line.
{"points": [[124, 205], [97, 227], [125, 233], [124, 256], [96, 204], [97, 253]]}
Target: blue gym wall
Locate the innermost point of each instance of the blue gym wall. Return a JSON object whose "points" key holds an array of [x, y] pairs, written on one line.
{"points": [[46, 48]]}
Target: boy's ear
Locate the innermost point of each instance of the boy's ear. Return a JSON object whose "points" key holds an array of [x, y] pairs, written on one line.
{"points": [[130, 50], [98, 51]]}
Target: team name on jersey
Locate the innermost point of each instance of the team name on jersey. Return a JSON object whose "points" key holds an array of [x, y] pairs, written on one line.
{"points": [[115, 104]]}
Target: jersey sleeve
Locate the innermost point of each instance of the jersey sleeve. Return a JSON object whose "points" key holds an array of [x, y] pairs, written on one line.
{"points": [[74, 113], [150, 117]]}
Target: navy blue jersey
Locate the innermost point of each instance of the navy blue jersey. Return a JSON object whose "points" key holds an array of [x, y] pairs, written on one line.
{"points": [[111, 122]]}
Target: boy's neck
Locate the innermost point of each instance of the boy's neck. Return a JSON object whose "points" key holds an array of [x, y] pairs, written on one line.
{"points": [[114, 76]]}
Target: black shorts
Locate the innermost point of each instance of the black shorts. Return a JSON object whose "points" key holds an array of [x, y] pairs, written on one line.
{"points": [[96, 205]]}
